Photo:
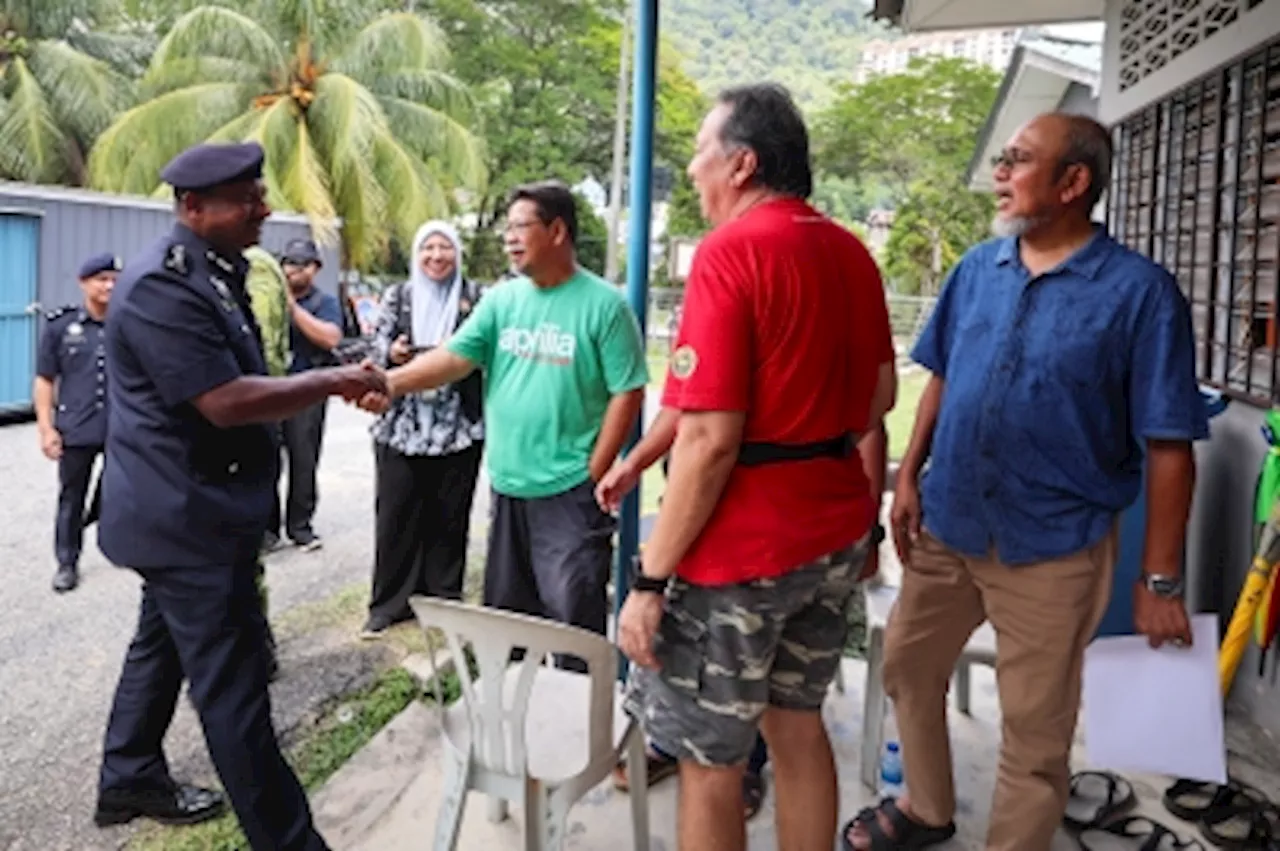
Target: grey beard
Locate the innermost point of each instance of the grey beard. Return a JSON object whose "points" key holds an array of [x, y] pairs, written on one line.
{"points": [[1014, 226]]}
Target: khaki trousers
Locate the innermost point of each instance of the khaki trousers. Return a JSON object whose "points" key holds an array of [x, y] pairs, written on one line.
{"points": [[1043, 615]]}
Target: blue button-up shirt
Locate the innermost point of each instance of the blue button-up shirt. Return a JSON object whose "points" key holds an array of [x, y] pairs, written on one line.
{"points": [[1053, 384], [177, 490]]}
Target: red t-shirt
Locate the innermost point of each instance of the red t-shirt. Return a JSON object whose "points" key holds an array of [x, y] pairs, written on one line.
{"points": [[785, 319]]}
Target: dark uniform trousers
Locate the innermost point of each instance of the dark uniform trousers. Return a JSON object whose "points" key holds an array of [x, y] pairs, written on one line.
{"points": [[206, 624], [75, 469], [303, 435]]}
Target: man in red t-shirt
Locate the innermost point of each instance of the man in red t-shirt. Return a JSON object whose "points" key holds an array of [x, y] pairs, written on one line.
{"points": [[784, 359]]}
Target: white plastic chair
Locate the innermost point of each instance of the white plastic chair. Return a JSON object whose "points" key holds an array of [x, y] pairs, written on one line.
{"points": [[526, 732], [980, 650]]}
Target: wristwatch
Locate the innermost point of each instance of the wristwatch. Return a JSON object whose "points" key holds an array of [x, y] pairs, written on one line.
{"points": [[1168, 587], [647, 584]]}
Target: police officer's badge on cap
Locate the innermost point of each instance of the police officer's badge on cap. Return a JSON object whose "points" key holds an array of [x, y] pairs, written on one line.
{"points": [[212, 164], [99, 263]]}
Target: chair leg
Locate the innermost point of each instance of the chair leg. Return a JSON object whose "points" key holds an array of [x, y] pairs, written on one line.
{"points": [[496, 810], [873, 708], [963, 693], [456, 781], [539, 824], [639, 792]]}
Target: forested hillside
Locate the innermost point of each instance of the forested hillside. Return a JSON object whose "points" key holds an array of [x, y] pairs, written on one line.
{"points": [[806, 44]]}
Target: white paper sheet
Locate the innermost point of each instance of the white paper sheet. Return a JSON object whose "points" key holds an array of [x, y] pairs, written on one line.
{"points": [[1156, 711]]}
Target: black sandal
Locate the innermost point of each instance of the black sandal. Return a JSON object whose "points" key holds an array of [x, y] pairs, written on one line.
{"points": [[908, 834], [1097, 797], [1189, 800], [1249, 821], [1153, 836]]}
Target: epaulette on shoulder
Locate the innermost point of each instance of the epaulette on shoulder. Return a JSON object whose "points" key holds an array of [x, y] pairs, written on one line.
{"points": [[59, 312], [175, 259]]}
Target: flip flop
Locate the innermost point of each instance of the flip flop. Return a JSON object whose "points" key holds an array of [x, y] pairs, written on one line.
{"points": [[1135, 833], [1096, 798], [1189, 800], [1249, 821], [657, 769]]}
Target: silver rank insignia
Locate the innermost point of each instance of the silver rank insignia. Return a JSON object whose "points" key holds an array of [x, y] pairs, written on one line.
{"points": [[176, 259], [75, 329], [224, 293], [221, 262]]}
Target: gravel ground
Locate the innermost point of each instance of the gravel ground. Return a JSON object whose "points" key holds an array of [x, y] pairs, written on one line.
{"points": [[60, 656]]}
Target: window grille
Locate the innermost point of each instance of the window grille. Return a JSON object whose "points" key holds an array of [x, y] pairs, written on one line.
{"points": [[1196, 187]]}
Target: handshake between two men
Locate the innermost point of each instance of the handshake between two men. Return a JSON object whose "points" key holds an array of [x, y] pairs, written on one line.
{"points": [[365, 384]]}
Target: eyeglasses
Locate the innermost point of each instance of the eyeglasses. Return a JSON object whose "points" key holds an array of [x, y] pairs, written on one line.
{"points": [[520, 226], [1011, 157]]}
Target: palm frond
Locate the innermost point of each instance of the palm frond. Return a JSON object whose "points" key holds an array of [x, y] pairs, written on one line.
{"points": [[84, 94], [33, 147], [345, 122], [414, 193], [398, 41], [220, 32], [127, 53], [183, 71], [437, 89], [305, 185], [128, 156], [433, 135]]}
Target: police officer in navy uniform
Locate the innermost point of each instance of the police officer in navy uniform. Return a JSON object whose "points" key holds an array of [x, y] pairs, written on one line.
{"points": [[72, 416], [187, 489]]}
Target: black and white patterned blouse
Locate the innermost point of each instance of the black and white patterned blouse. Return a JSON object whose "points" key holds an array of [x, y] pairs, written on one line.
{"points": [[430, 423]]}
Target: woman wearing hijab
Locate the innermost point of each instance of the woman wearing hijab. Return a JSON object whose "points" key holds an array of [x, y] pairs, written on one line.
{"points": [[427, 445]]}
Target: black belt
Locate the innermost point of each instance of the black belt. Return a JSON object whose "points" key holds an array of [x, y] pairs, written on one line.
{"points": [[758, 454]]}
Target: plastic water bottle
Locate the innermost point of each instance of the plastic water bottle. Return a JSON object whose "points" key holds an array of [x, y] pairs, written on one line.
{"points": [[891, 780]]}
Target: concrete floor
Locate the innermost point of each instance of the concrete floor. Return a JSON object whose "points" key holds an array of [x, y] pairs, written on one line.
{"points": [[387, 797]]}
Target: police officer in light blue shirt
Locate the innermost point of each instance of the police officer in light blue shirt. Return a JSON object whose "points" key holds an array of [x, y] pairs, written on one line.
{"points": [[71, 406], [186, 493]]}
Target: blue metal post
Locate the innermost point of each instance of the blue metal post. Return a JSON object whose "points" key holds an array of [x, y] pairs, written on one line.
{"points": [[640, 211]]}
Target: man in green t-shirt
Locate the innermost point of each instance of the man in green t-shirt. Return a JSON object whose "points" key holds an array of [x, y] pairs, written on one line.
{"points": [[565, 372]]}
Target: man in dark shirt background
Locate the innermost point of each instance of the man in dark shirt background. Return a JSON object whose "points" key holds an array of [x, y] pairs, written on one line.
{"points": [[315, 328]]}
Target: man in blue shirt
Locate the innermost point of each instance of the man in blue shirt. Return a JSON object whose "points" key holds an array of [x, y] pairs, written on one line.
{"points": [[315, 329], [1060, 360], [70, 395], [187, 489]]}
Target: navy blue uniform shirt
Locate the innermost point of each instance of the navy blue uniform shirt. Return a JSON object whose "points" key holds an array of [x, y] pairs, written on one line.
{"points": [[177, 490], [306, 354], [1053, 385], [73, 353]]}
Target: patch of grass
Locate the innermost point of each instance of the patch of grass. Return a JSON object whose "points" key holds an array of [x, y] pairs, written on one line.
{"points": [[903, 416], [341, 730]]}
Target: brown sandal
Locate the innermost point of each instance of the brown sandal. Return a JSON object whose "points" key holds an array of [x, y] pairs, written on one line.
{"points": [[657, 769]]}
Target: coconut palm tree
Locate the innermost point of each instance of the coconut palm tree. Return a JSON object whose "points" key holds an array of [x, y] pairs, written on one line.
{"points": [[57, 92], [360, 123]]}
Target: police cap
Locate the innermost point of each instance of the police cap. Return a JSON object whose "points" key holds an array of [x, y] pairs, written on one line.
{"points": [[100, 263], [212, 164]]}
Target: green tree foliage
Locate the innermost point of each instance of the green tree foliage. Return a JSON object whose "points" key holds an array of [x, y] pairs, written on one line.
{"points": [[810, 46], [58, 87], [360, 118], [913, 134], [544, 75]]}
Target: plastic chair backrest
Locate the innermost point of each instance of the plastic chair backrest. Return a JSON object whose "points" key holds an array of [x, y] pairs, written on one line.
{"points": [[496, 703]]}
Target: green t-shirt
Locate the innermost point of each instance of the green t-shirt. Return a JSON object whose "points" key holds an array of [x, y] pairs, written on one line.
{"points": [[553, 359]]}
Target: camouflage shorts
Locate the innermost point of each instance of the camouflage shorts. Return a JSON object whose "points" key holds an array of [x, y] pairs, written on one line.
{"points": [[728, 652]]}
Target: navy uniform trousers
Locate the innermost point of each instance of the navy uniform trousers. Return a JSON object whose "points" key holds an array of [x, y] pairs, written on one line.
{"points": [[206, 624], [75, 469]]}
